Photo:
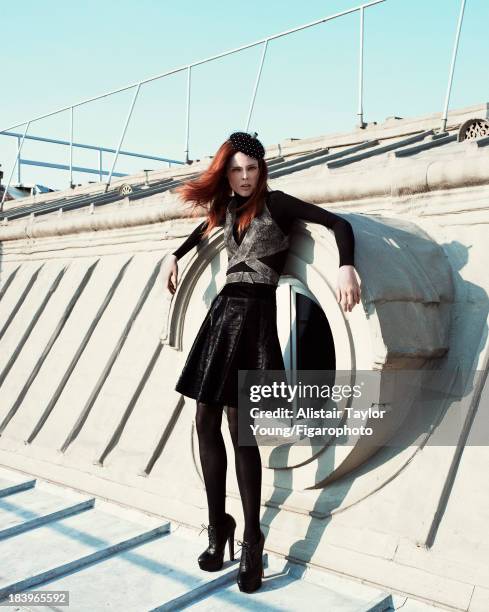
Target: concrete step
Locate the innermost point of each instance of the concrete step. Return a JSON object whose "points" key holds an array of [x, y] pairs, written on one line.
{"points": [[31, 558], [31, 508], [161, 574], [290, 587], [14, 485], [164, 575], [111, 558]]}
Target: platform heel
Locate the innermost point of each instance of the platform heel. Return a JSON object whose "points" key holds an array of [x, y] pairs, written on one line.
{"points": [[251, 572], [212, 559]]}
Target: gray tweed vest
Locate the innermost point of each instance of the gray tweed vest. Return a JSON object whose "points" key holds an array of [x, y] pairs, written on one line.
{"points": [[263, 237]]}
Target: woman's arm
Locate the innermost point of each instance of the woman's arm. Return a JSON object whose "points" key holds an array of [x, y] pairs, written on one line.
{"points": [[193, 239], [294, 208], [170, 266], [290, 208]]}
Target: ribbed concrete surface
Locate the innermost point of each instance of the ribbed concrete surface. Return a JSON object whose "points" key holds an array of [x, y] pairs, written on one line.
{"points": [[109, 558]]}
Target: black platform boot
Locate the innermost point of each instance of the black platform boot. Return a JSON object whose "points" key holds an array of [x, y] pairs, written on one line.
{"points": [[250, 571], [211, 560]]}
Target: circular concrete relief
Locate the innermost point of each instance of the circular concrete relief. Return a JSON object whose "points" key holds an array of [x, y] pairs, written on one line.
{"points": [[401, 323]]}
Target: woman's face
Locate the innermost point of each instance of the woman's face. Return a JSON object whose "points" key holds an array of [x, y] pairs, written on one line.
{"points": [[243, 173]]}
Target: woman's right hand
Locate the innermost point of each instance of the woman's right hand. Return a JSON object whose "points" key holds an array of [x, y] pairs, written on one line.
{"points": [[170, 273]]}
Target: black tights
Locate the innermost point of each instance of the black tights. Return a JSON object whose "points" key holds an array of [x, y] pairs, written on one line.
{"points": [[214, 465]]}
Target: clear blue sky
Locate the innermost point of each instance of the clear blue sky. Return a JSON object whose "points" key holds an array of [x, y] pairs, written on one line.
{"points": [[55, 53]]}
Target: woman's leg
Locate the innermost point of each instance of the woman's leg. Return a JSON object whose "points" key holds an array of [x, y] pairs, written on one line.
{"points": [[249, 475], [212, 458]]}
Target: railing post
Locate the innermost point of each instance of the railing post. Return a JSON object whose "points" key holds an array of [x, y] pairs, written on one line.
{"points": [[187, 117], [361, 123], [19, 150], [100, 166], [444, 116], [71, 148], [19, 164], [122, 136], [256, 85]]}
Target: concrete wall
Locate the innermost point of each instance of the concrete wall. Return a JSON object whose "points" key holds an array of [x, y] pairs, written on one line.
{"points": [[91, 345]]}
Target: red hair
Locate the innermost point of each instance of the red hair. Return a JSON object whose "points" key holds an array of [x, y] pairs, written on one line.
{"points": [[211, 191]]}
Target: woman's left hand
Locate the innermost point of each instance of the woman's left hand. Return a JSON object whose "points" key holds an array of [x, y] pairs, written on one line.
{"points": [[348, 290]]}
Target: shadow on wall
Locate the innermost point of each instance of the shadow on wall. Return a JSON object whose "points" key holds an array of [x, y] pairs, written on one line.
{"points": [[440, 404]]}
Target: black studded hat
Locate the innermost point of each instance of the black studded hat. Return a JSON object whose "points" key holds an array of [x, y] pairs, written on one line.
{"points": [[248, 144]]}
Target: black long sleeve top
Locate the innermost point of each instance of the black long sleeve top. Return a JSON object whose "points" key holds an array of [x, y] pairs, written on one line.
{"points": [[285, 209]]}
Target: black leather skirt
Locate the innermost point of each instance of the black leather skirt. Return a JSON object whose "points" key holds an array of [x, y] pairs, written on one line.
{"points": [[239, 332]]}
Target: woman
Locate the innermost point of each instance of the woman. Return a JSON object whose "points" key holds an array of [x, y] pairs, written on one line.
{"points": [[239, 330]]}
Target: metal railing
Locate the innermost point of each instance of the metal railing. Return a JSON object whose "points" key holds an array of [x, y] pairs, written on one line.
{"points": [[188, 67], [444, 116], [100, 170]]}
